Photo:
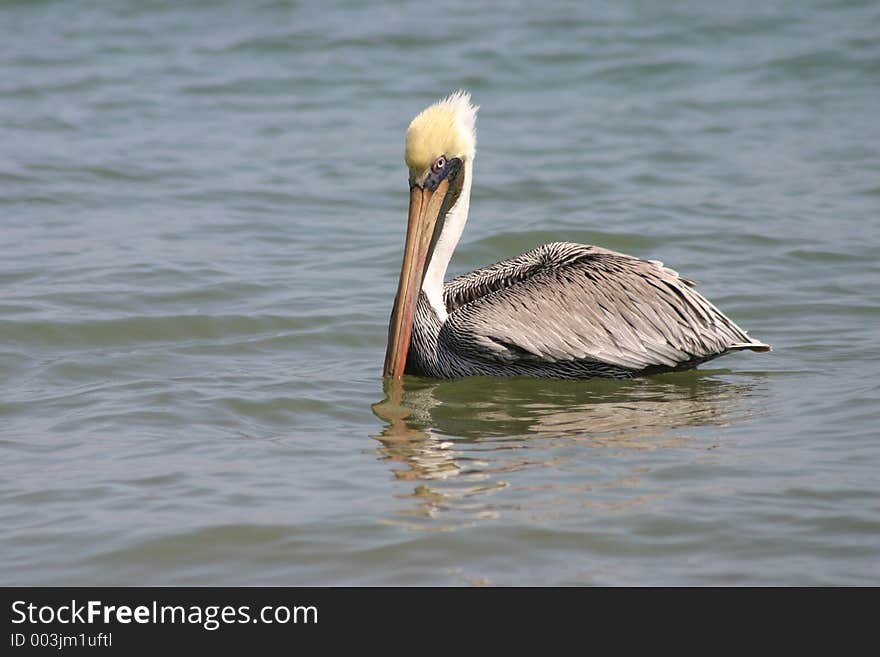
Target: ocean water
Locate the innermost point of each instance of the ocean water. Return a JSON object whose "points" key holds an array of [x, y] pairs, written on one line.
{"points": [[202, 211]]}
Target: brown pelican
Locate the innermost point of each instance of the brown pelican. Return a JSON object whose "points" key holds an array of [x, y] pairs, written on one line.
{"points": [[562, 310]]}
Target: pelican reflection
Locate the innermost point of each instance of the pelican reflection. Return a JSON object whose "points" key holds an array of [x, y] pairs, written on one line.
{"points": [[459, 440]]}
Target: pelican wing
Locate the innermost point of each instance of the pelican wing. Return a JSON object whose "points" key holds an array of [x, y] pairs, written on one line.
{"points": [[572, 302]]}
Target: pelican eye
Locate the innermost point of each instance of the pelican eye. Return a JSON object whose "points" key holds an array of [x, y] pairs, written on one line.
{"points": [[439, 164]]}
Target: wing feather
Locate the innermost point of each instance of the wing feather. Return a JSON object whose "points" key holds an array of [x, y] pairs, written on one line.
{"points": [[566, 302]]}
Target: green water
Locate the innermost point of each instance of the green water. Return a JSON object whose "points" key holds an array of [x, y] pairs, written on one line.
{"points": [[202, 209]]}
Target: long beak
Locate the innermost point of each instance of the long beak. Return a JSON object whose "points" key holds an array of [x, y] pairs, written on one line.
{"points": [[424, 210]]}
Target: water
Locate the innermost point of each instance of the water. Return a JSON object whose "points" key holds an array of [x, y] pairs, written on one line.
{"points": [[202, 210]]}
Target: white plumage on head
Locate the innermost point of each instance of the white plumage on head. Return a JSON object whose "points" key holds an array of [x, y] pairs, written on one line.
{"points": [[447, 128]]}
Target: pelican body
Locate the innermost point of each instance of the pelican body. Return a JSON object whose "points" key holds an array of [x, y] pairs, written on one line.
{"points": [[562, 310]]}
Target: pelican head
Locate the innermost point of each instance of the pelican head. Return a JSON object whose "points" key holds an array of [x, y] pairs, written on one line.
{"points": [[440, 148]]}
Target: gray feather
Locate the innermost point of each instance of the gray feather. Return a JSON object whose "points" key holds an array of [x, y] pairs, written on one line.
{"points": [[569, 310]]}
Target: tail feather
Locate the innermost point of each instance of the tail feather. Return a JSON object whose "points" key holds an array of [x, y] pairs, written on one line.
{"points": [[752, 346]]}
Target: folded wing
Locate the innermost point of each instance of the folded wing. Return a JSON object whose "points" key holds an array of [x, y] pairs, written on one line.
{"points": [[571, 302]]}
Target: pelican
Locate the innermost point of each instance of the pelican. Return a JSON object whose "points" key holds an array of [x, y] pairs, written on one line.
{"points": [[562, 310]]}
